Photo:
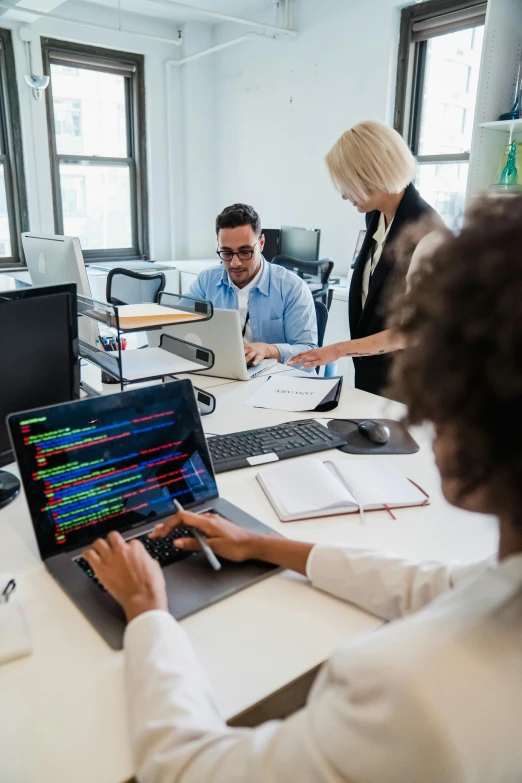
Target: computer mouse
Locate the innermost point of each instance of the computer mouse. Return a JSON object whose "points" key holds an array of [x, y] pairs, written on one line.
{"points": [[375, 431]]}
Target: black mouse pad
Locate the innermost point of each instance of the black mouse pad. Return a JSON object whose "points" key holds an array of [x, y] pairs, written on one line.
{"points": [[400, 441]]}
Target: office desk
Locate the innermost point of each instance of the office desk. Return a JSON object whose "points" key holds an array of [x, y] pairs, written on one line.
{"points": [[63, 715]]}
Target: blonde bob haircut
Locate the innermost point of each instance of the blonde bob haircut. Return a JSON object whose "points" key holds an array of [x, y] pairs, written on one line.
{"points": [[370, 156]]}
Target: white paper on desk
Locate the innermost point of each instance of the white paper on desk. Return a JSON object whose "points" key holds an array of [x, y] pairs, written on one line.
{"points": [[148, 362], [15, 641], [284, 392]]}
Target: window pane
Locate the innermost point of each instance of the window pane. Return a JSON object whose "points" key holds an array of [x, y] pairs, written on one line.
{"points": [[443, 185], [450, 92], [96, 205], [89, 112], [5, 238]]}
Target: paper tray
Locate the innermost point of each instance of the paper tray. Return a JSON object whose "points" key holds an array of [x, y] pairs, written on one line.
{"points": [[154, 362]]}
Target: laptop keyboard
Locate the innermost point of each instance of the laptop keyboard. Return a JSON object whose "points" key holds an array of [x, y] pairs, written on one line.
{"points": [[294, 439], [161, 549]]}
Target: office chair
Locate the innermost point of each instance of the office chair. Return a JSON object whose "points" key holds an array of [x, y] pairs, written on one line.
{"points": [[321, 313], [128, 287], [322, 269]]}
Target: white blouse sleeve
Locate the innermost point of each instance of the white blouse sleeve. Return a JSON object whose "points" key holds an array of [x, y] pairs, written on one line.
{"points": [[383, 584], [359, 725]]}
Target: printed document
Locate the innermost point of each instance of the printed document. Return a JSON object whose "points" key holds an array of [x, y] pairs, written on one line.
{"points": [[284, 392]]}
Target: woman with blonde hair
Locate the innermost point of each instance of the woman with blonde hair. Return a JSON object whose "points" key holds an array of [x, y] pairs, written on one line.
{"points": [[373, 168]]}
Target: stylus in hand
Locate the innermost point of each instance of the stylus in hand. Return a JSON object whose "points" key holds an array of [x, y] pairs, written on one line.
{"points": [[209, 554]]}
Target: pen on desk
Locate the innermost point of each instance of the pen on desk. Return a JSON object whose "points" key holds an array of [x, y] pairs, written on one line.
{"points": [[8, 589], [209, 554]]}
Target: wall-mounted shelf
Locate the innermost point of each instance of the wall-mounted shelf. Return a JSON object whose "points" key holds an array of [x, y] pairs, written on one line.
{"points": [[507, 126]]}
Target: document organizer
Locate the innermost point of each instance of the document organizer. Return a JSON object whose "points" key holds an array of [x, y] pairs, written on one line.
{"points": [[141, 365]]}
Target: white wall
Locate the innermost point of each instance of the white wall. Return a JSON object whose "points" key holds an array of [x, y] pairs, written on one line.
{"points": [[281, 104], [251, 123], [34, 123], [194, 148]]}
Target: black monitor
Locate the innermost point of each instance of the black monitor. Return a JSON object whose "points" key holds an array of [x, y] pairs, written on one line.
{"points": [[39, 361], [272, 246], [300, 243]]}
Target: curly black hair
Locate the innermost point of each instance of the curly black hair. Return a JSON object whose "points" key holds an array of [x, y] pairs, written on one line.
{"points": [[238, 215], [462, 319]]}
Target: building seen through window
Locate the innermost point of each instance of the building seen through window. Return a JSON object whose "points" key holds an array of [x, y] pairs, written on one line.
{"points": [[90, 120], [96, 102], [446, 118]]}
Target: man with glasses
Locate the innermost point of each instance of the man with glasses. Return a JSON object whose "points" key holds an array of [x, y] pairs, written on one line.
{"points": [[275, 306]]}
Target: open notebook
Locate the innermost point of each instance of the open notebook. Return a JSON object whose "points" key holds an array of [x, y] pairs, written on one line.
{"points": [[307, 488]]}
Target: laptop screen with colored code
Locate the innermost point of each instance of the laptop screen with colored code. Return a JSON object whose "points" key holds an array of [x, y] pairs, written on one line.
{"points": [[111, 463]]}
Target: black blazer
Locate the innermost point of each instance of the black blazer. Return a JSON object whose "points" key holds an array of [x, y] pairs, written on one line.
{"points": [[371, 372]]}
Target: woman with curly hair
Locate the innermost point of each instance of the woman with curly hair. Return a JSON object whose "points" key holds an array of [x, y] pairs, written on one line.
{"points": [[435, 697]]}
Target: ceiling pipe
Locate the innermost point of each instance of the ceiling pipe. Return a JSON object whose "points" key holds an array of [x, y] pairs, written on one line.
{"points": [[219, 47], [174, 41], [276, 29]]}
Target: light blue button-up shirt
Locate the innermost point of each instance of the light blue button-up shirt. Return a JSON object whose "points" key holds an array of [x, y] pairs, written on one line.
{"points": [[280, 305]]}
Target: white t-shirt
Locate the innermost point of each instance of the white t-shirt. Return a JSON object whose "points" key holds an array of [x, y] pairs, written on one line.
{"points": [[242, 300], [380, 237]]}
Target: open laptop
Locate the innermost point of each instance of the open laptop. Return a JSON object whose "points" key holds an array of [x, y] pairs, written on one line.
{"points": [[116, 463], [222, 335]]}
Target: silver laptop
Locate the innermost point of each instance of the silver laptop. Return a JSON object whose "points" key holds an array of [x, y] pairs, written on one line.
{"points": [[116, 463], [222, 335]]}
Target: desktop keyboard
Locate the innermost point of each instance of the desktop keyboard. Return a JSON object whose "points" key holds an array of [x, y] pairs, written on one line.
{"points": [[161, 549], [230, 452]]}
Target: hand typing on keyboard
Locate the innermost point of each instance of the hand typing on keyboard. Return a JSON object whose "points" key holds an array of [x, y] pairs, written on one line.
{"points": [[128, 573], [256, 352], [225, 538]]}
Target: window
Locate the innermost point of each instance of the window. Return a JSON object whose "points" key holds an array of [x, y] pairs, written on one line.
{"points": [[439, 61], [13, 200], [95, 105]]}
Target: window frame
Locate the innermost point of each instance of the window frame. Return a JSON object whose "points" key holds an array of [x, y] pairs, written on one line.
{"points": [[11, 152], [444, 16], [131, 65]]}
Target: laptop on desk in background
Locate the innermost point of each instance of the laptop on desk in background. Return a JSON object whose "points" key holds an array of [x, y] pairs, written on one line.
{"points": [[222, 335], [117, 462]]}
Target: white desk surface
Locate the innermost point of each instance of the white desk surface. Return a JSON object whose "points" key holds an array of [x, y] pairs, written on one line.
{"points": [[63, 707]]}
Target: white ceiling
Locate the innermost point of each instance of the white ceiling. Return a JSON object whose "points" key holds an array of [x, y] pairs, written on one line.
{"points": [[258, 10]]}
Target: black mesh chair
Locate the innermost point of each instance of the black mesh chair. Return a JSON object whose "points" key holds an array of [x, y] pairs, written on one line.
{"points": [[321, 313], [305, 269], [127, 287]]}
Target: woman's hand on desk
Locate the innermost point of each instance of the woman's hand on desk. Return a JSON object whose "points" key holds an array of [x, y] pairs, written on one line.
{"points": [[128, 573], [317, 357], [374, 345]]}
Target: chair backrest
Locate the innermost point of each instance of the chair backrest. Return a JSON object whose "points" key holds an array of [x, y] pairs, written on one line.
{"points": [[323, 267], [125, 286], [321, 313]]}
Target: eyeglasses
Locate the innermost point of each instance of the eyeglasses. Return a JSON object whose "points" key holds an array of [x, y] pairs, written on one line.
{"points": [[243, 255]]}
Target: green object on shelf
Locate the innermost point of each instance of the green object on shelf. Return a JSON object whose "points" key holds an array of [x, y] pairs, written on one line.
{"points": [[509, 174]]}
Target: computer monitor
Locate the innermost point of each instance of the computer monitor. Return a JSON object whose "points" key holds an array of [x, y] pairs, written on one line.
{"points": [[272, 246], [300, 243], [38, 357], [52, 259]]}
